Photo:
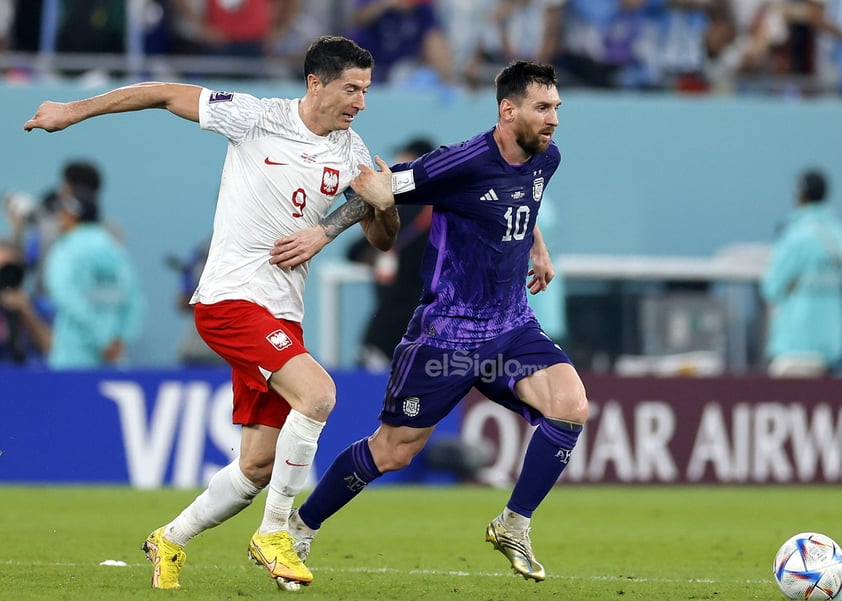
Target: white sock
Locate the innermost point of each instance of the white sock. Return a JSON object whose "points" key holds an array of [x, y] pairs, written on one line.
{"points": [[514, 521], [294, 454], [227, 494]]}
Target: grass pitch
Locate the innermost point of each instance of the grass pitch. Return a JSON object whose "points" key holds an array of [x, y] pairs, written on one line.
{"points": [[413, 543]]}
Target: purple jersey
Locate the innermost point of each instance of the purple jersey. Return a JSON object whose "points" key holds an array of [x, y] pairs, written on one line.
{"points": [[477, 258]]}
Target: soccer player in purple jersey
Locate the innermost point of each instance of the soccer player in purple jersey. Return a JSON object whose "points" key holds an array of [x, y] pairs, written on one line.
{"points": [[473, 312]]}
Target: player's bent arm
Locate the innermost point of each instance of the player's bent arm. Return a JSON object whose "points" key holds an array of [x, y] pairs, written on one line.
{"points": [[542, 271], [539, 247], [381, 227], [299, 247], [179, 99]]}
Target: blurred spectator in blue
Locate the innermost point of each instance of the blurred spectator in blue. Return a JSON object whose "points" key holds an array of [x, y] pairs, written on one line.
{"points": [[466, 26], [192, 350], [24, 334], [826, 18], [406, 39], [486, 35], [591, 41], [803, 285], [93, 286], [681, 37], [397, 274]]}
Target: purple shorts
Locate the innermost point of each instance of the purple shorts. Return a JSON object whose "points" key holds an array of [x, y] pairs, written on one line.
{"points": [[427, 382]]}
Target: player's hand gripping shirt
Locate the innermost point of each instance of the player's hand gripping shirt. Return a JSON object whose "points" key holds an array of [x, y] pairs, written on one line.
{"points": [[476, 262], [278, 177]]}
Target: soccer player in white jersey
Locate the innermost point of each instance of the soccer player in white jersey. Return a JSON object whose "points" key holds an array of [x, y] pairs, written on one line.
{"points": [[287, 162]]}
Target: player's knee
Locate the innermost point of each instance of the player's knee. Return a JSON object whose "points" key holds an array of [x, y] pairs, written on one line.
{"points": [[318, 403], [322, 407], [399, 459], [394, 458], [570, 405]]}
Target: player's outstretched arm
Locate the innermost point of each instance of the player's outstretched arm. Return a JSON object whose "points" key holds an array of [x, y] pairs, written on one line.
{"points": [[179, 99], [542, 270]]}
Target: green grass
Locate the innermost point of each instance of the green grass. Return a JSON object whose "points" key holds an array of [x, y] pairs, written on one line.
{"points": [[408, 543]]}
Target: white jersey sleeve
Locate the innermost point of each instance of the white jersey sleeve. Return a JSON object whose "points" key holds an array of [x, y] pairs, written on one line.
{"points": [[278, 177]]}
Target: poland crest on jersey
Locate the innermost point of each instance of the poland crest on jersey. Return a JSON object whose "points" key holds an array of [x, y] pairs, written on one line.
{"points": [[537, 189], [330, 181]]}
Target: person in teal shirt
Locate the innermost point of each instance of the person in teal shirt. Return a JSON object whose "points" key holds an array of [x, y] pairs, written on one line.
{"points": [[803, 284], [94, 288]]}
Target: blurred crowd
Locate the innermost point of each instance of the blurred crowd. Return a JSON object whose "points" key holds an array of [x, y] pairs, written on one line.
{"points": [[787, 46], [69, 294]]}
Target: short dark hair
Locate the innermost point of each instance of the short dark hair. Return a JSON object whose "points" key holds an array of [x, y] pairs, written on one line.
{"points": [[417, 147], [330, 55], [812, 186], [82, 173], [512, 82], [83, 204]]}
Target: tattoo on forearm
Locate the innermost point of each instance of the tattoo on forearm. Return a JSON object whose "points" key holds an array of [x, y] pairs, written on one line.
{"points": [[345, 216]]}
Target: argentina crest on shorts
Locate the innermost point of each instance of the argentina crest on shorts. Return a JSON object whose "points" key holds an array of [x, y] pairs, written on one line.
{"points": [[411, 406]]}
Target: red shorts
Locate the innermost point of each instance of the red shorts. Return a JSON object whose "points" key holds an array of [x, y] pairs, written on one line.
{"points": [[255, 344]]}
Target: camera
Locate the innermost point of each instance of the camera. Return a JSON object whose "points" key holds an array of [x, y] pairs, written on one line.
{"points": [[19, 205], [11, 276]]}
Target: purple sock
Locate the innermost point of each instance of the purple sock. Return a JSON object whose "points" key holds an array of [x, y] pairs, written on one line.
{"points": [[546, 457], [349, 473]]}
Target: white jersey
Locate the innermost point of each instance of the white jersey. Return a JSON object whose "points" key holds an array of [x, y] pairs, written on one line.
{"points": [[278, 178]]}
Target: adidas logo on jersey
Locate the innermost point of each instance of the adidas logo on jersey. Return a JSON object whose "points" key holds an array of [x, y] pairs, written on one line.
{"points": [[490, 195]]}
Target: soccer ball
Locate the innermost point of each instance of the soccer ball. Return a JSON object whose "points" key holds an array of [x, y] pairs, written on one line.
{"points": [[809, 566]]}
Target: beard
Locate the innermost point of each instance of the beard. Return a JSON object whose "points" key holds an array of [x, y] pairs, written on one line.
{"points": [[532, 144]]}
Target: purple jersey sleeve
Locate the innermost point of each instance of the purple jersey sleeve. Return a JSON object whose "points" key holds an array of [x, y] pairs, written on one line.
{"points": [[477, 258]]}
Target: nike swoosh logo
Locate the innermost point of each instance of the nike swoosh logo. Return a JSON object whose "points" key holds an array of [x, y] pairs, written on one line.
{"points": [[268, 162], [288, 462]]}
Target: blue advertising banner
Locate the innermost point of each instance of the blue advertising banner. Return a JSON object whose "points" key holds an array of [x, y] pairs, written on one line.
{"points": [[159, 428]]}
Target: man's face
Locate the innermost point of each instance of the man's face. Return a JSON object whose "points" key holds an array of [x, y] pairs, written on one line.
{"points": [[536, 118], [340, 100]]}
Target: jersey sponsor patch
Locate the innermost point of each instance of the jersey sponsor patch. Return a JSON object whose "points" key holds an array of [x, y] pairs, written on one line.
{"points": [[403, 181], [220, 97], [279, 340], [330, 181]]}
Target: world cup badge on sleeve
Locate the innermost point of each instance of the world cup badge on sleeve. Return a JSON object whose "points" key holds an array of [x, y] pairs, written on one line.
{"points": [[220, 97]]}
